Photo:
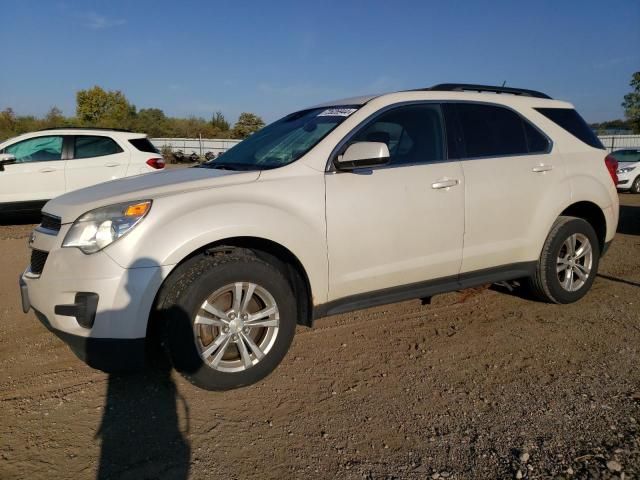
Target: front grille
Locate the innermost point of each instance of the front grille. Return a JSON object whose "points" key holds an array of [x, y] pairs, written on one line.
{"points": [[38, 259], [50, 222]]}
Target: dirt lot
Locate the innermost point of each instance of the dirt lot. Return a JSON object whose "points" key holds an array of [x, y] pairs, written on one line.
{"points": [[480, 384]]}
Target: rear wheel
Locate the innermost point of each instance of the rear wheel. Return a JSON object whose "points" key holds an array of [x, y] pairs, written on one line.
{"points": [[635, 186], [230, 321], [569, 262]]}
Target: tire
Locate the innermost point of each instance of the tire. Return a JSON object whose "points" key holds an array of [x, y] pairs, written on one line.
{"points": [[246, 353], [635, 186], [550, 282]]}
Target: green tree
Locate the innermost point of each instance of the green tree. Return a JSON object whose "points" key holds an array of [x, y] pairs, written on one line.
{"points": [[611, 125], [54, 118], [101, 108], [631, 103], [7, 123], [247, 124], [218, 121], [151, 121]]}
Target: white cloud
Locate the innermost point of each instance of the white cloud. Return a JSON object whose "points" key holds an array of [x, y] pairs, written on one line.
{"points": [[96, 21]]}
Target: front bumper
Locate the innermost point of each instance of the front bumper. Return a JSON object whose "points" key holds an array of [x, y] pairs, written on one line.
{"points": [[625, 180], [97, 307]]}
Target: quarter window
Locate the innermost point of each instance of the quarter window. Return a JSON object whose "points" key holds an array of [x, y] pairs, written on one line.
{"points": [[39, 149], [94, 146], [143, 145], [573, 123], [413, 134]]}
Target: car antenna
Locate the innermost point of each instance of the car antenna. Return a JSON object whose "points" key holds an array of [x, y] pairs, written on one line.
{"points": [[504, 83]]}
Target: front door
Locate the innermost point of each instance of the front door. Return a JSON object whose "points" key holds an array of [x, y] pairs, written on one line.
{"points": [[401, 223], [38, 173]]}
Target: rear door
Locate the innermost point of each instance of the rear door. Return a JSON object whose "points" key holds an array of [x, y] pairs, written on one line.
{"points": [[38, 173], [513, 184], [94, 159]]}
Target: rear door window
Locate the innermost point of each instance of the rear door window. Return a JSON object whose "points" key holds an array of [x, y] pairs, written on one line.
{"points": [[39, 149], [86, 146], [491, 131], [573, 123]]}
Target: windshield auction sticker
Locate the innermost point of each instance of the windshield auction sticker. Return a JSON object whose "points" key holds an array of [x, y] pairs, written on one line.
{"points": [[337, 112]]}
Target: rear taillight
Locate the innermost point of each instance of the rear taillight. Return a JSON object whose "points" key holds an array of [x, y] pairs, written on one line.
{"points": [[612, 166], [156, 163]]}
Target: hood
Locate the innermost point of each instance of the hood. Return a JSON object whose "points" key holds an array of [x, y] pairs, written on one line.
{"points": [[142, 187]]}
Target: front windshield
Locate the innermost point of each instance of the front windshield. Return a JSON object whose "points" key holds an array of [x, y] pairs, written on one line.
{"points": [[284, 141]]}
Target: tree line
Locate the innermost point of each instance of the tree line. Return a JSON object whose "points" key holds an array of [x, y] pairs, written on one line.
{"points": [[96, 107]]}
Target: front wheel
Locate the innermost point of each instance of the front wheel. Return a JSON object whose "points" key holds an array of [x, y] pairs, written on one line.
{"points": [[230, 321], [635, 186], [568, 263]]}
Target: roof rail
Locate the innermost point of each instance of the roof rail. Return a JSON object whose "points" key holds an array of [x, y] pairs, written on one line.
{"points": [[86, 128], [460, 87]]}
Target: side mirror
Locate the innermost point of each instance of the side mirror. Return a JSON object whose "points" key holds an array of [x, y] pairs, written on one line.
{"points": [[363, 155], [6, 159]]}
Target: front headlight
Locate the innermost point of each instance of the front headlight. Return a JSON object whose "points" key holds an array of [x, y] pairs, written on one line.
{"points": [[626, 169], [98, 228]]}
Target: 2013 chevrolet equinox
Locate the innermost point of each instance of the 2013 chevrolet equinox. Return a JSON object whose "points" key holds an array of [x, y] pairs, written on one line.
{"points": [[338, 207]]}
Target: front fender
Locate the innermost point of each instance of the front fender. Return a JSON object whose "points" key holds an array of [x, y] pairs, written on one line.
{"points": [[178, 225]]}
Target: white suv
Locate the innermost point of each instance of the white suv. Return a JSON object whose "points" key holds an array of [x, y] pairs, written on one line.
{"points": [[338, 207], [38, 166]]}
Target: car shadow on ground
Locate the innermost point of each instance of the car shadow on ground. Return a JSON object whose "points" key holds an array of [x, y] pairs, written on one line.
{"points": [[19, 218], [629, 223]]}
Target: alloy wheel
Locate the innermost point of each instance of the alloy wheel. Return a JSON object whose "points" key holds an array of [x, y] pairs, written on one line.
{"points": [[236, 326], [574, 262]]}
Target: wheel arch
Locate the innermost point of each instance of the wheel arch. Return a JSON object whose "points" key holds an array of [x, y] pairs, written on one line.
{"points": [[592, 214], [268, 250]]}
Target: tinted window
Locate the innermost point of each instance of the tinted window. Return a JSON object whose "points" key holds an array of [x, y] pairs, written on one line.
{"points": [[490, 131], [87, 147], [412, 133], [39, 149], [536, 141], [144, 145], [573, 123]]}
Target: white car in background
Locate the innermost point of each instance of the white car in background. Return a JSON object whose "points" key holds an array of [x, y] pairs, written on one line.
{"points": [[38, 166], [628, 169]]}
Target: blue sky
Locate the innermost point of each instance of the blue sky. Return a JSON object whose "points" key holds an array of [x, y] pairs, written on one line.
{"points": [[193, 58]]}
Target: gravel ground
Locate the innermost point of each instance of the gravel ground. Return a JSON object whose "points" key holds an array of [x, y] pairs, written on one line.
{"points": [[482, 383]]}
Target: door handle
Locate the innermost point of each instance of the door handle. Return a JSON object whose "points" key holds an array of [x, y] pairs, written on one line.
{"points": [[112, 164], [47, 170], [444, 184], [542, 168]]}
